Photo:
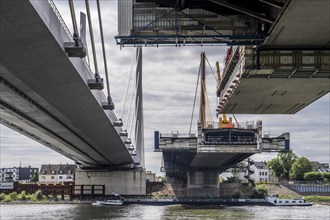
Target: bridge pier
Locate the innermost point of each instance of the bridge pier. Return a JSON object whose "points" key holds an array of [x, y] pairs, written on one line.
{"points": [[128, 182], [197, 183], [203, 183]]}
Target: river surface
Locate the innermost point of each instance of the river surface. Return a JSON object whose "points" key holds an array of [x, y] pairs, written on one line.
{"points": [[81, 212]]}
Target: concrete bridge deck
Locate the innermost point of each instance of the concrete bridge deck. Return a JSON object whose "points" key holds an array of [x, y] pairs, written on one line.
{"points": [[273, 81], [44, 93]]}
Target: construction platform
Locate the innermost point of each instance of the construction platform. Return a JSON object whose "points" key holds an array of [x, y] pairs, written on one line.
{"points": [[217, 147]]}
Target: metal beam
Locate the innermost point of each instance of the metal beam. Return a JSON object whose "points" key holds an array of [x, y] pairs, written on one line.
{"points": [[293, 72], [242, 10], [316, 71]]}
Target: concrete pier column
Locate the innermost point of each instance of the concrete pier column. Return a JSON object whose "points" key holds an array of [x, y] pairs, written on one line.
{"points": [[203, 183]]}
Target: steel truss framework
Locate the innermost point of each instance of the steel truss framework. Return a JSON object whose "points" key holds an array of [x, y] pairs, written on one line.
{"points": [[198, 23]]}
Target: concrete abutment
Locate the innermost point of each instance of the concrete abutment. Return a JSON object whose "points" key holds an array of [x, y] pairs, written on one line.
{"points": [[130, 182]]}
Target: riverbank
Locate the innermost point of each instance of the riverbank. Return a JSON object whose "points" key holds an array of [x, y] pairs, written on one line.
{"points": [[193, 202], [38, 198]]}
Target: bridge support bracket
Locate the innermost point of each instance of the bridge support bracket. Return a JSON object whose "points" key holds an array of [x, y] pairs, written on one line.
{"points": [[108, 106], [96, 84], [75, 51]]}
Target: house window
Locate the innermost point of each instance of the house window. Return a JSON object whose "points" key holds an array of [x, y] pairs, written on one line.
{"points": [[260, 173], [52, 177], [61, 171], [60, 177], [293, 201], [30, 175], [69, 171], [30, 170], [280, 201], [286, 201], [266, 173], [53, 172], [42, 177]]}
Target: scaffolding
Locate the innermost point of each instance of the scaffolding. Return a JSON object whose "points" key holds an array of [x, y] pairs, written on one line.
{"points": [[149, 24]]}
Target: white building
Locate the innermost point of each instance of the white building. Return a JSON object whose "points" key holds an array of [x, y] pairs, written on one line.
{"points": [[9, 174], [150, 177], [261, 172], [57, 173], [240, 174], [320, 167]]}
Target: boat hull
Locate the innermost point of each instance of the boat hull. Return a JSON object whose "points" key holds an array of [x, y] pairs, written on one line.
{"points": [[287, 202], [108, 203]]}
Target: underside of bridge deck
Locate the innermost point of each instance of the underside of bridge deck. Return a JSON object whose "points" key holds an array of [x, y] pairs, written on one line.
{"points": [[44, 93]]}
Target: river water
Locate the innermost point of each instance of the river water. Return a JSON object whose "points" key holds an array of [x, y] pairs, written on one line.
{"points": [[134, 212]]}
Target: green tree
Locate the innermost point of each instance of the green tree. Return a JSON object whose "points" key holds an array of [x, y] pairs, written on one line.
{"points": [[313, 176], [236, 169], [326, 176], [35, 177], [276, 167], [281, 165], [300, 167]]}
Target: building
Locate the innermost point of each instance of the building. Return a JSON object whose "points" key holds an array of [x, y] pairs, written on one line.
{"points": [[261, 172], [150, 177], [26, 173], [15, 174], [9, 174], [320, 167], [57, 173]]}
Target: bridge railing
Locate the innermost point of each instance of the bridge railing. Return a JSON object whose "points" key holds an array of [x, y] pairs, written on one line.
{"points": [[60, 18], [69, 34], [177, 134], [244, 125]]}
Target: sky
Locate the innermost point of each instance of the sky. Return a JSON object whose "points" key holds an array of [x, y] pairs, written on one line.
{"points": [[169, 80]]}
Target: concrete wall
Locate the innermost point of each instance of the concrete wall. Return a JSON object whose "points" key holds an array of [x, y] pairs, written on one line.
{"points": [[229, 190], [121, 182], [313, 189]]}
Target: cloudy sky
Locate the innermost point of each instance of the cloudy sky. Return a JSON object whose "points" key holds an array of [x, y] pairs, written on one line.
{"points": [[169, 80]]}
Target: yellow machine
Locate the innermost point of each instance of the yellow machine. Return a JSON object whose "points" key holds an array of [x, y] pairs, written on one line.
{"points": [[224, 123]]}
